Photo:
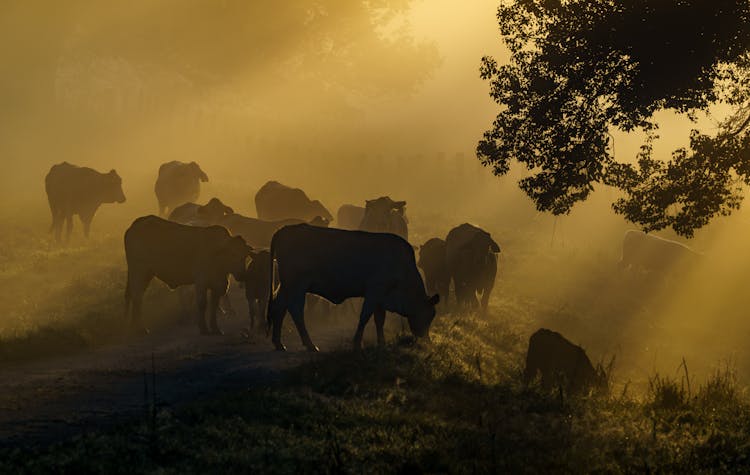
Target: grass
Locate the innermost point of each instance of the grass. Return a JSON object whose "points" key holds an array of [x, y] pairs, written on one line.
{"points": [[456, 405]]}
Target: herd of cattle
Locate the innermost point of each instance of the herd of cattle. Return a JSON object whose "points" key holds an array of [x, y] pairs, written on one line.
{"points": [[290, 248], [292, 251]]}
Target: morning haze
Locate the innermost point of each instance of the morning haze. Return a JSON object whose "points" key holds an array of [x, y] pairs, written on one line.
{"points": [[348, 101]]}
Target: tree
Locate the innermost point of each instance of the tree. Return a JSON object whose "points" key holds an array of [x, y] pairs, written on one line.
{"points": [[580, 69]]}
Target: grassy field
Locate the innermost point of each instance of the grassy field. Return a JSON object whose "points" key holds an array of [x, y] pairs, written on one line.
{"points": [[676, 403], [454, 406]]}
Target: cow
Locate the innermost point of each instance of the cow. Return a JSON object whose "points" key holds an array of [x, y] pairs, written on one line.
{"points": [[178, 254], [275, 201], [337, 264], [77, 190], [200, 215], [471, 257], [178, 183], [433, 263], [385, 216], [257, 232], [644, 252], [257, 284], [561, 363], [349, 217]]}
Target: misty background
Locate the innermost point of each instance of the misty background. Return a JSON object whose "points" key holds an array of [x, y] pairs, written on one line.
{"points": [[348, 101]]}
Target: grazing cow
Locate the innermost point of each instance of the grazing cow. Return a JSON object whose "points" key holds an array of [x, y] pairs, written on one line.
{"points": [[471, 256], [75, 190], [178, 183], [383, 215], [653, 254], [435, 267], [200, 215], [349, 217], [257, 232], [560, 362], [257, 285], [336, 265], [275, 201], [180, 255]]}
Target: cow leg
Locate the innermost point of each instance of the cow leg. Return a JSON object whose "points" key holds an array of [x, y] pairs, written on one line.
{"points": [[276, 313], [86, 219], [379, 323], [201, 298], [364, 317], [69, 230], [297, 311], [213, 307], [136, 287]]}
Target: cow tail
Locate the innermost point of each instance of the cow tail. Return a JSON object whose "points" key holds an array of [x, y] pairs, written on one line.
{"points": [[269, 307]]}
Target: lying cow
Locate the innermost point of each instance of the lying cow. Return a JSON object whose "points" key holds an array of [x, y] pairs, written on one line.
{"points": [[200, 215], [383, 215], [433, 263], [258, 232], [471, 258], [649, 253], [75, 190], [560, 362], [180, 255], [275, 201], [336, 265], [178, 183]]}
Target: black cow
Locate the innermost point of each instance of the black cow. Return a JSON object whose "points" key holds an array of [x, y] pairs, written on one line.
{"points": [[471, 256], [383, 215], [200, 215], [645, 252], [178, 183], [433, 263], [349, 217], [560, 362], [336, 265], [258, 232], [275, 201], [180, 255], [75, 190], [257, 285]]}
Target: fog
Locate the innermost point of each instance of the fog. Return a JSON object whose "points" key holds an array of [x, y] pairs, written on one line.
{"points": [[348, 101]]}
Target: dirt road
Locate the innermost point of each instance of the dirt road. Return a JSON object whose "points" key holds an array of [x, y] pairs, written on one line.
{"points": [[46, 401]]}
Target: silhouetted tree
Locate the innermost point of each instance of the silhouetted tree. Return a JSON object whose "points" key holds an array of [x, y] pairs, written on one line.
{"points": [[582, 68]]}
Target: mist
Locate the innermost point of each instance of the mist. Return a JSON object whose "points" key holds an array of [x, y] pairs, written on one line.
{"points": [[348, 101]]}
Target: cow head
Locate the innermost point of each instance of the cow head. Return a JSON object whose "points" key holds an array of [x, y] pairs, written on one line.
{"points": [[214, 210], [420, 322], [232, 256], [318, 209], [197, 172], [320, 222], [112, 192]]}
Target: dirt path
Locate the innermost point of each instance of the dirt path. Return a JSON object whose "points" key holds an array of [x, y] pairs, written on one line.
{"points": [[49, 400]]}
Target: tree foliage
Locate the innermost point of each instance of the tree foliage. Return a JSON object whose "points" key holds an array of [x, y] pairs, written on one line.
{"points": [[580, 69]]}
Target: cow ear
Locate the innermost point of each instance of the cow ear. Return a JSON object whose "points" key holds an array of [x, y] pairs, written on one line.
{"points": [[434, 300], [399, 204], [112, 172], [494, 246]]}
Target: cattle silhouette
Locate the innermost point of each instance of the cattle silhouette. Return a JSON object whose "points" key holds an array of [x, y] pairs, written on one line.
{"points": [[471, 257], [560, 362], [178, 183], [77, 190], [275, 201]]}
